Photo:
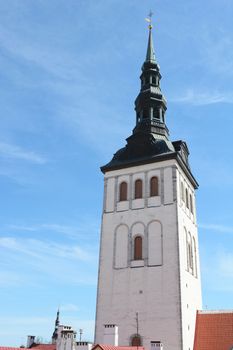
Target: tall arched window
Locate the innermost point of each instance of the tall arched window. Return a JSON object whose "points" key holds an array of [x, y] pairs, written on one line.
{"points": [[191, 203], [123, 192], [190, 253], [182, 191], [138, 248], [194, 257], [187, 198], [154, 186], [138, 189], [136, 340]]}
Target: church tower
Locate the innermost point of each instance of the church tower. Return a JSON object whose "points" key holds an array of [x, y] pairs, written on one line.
{"points": [[149, 275]]}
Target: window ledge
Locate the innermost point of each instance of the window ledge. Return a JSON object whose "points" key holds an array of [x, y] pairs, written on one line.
{"points": [[137, 263]]}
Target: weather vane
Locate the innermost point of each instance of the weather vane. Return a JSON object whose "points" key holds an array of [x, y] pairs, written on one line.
{"points": [[149, 19]]}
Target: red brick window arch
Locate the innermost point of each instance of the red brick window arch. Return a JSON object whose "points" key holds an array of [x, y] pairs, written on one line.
{"points": [[138, 189], [154, 186], [123, 191], [138, 248]]}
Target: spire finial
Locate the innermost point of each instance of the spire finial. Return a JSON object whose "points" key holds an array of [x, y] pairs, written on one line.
{"points": [[150, 55], [149, 20]]}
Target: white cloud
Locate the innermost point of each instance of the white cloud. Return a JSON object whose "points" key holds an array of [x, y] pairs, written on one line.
{"points": [[10, 151], [82, 230], [10, 279], [40, 249], [202, 98], [219, 228], [38, 261], [226, 265], [69, 307]]}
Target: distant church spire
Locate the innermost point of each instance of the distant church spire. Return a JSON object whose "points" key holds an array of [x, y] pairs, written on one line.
{"points": [[57, 323]]}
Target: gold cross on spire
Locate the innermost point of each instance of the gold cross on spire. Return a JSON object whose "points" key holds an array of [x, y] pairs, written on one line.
{"points": [[149, 20]]}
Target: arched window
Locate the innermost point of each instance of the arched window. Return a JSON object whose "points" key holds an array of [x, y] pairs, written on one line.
{"points": [[138, 189], [123, 192], [154, 80], [136, 340], [191, 203], [194, 257], [154, 186], [182, 191], [187, 198], [138, 248], [190, 252]]}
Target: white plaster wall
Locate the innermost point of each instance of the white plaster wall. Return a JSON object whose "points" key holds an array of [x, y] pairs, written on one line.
{"points": [[121, 246], [190, 283], [157, 293]]}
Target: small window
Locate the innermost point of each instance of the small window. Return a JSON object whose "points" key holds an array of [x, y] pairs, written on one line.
{"points": [[154, 80], [136, 340], [187, 198], [123, 192], [138, 189], [191, 203], [156, 113], [138, 248], [154, 186]]}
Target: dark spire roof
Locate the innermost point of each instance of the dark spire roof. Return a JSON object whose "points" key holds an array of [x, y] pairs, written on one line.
{"points": [[150, 54], [149, 141], [57, 323]]}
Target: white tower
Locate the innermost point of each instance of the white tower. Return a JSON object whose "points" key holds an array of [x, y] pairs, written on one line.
{"points": [[149, 275]]}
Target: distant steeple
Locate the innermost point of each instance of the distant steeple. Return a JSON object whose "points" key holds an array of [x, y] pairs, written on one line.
{"points": [[57, 323]]}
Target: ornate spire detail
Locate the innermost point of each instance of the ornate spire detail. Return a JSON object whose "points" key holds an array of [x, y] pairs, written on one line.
{"points": [[150, 105]]}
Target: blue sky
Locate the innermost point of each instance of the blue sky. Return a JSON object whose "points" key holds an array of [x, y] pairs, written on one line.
{"points": [[69, 73]]}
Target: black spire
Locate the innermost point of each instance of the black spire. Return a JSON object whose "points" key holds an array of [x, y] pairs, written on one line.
{"points": [[149, 141], [150, 105], [57, 323]]}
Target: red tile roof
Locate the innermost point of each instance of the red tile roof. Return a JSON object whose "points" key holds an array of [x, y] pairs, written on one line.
{"points": [[43, 346], [8, 348], [35, 346], [111, 347], [214, 330]]}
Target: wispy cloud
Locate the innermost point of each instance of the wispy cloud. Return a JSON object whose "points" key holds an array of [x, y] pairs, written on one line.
{"points": [[10, 278], [202, 98], [69, 308], [216, 49], [39, 249], [37, 260], [218, 228], [10, 151], [83, 229]]}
